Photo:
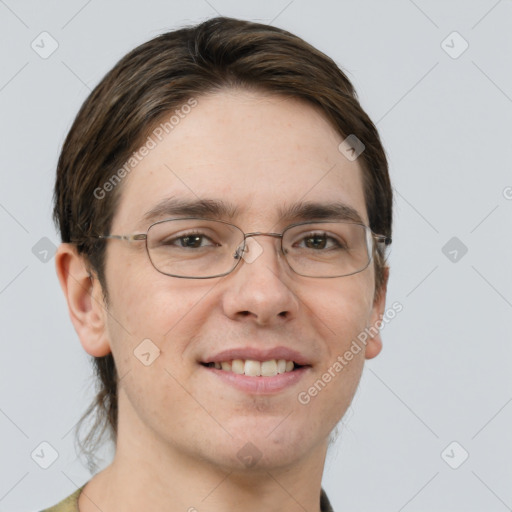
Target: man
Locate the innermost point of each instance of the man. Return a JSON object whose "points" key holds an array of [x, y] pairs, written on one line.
{"points": [[224, 204]]}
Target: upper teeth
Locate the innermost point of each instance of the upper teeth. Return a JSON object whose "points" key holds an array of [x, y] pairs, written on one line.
{"points": [[256, 368]]}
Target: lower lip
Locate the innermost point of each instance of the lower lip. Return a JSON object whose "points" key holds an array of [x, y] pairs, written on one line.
{"points": [[260, 385]]}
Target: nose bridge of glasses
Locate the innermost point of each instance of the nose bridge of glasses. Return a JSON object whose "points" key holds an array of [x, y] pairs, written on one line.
{"points": [[260, 233], [253, 249]]}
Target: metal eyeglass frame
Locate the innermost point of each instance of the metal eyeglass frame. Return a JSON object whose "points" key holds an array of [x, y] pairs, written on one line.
{"points": [[237, 256]]}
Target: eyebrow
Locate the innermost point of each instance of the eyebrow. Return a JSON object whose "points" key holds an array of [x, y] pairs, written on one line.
{"points": [[219, 209], [193, 208]]}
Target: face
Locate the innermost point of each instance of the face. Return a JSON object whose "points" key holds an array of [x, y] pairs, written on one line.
{"points": [[259, 154]]}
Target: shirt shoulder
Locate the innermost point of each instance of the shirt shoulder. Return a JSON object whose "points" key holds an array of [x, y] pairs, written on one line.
{"points": [[69, 504], [325, 505]]}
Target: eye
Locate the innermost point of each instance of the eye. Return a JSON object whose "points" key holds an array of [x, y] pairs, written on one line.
{"points": [[193, 240], [320, 241]]}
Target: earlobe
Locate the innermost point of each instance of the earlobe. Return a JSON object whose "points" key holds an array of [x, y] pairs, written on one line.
{"points": [[85, 300], [374, 342]]}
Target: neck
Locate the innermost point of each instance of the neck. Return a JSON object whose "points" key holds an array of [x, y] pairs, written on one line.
{"points": [[142, 477], [182, 474]]}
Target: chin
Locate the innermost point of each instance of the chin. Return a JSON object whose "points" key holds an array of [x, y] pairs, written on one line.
{"points": [[265, 446], [249, 457]]}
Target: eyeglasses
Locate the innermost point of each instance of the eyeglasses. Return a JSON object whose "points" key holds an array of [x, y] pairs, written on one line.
{"points": [[197, 248]]}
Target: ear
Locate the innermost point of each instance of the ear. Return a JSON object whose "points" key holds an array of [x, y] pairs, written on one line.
{"points": [[374, 344], [84, 296]]}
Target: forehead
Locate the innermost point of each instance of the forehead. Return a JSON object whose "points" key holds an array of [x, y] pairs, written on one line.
{"points": [[259, 155]]}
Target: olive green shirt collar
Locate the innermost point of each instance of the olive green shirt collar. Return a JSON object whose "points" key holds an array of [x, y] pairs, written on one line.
{"points": [[70, 504]]}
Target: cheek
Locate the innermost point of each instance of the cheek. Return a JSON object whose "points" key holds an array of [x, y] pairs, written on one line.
{"points": [[327, 396], [344, 306], [150, 325], [140, 296], [341, 312], [148, 305]]}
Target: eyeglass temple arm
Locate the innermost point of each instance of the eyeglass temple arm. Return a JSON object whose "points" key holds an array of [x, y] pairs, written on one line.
{"points": [[129, 238], [383, 239]]}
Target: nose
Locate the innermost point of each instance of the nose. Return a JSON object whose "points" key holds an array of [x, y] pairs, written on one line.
{"points": [[261, 288]]}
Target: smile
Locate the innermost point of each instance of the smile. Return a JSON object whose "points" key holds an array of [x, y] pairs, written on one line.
{"points": [[257, 377], [253, 368]]}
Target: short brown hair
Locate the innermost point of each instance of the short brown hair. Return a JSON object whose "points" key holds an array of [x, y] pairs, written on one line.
{"points": [[150, 82]]}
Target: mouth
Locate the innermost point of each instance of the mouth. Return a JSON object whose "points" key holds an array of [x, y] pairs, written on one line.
{"points": [[255, 368], [258, 370], [255, 377]]}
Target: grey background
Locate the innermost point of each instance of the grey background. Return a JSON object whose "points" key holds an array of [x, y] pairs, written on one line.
{"points": [[444, 373]]}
